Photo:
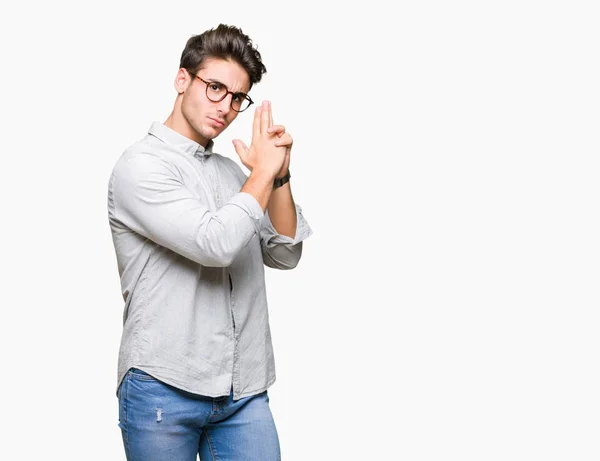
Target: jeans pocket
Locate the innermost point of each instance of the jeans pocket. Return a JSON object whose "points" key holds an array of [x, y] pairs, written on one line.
{"points": [[141, 375]]}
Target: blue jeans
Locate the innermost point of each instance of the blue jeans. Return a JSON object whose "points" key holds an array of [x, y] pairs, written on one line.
{"points": [[162, 423]]}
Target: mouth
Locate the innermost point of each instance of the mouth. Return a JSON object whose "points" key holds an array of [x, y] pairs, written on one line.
{"points": [[217, 122]]}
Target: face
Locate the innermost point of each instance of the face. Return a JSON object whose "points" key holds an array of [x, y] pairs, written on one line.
{"points": [[207, 119]]}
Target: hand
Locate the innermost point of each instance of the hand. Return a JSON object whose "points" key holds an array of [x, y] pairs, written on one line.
{"points": [[284, 140], [263, 152]]}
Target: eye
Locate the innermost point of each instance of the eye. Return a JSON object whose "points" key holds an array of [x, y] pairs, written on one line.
{"points": [[215, 86], [237, 97]]}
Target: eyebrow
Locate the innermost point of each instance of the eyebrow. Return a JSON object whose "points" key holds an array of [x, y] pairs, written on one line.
{"points": [[212, 80]]}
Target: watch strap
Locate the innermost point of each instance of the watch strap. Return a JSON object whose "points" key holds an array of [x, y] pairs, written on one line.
{"points": [[278, 182]]}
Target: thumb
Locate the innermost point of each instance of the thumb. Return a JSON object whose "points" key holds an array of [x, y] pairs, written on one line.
{"points": [[240, 147]]}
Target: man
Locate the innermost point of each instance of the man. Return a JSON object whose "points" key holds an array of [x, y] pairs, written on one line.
{"points": [[192, 234]]}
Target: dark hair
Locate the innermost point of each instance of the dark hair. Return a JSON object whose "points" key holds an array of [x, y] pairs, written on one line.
{"points": [[224, 42]]}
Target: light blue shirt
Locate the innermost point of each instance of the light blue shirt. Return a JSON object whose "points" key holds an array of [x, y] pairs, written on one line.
{"points": [[191, 250]]}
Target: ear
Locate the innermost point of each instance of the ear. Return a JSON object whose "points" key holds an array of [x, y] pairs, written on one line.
{"points": [[182, 80]]}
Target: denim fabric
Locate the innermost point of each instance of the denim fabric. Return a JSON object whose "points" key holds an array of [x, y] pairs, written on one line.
{"points": [[162, 423]]}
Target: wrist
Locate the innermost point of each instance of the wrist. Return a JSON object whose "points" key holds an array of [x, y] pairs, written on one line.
{"points": [[263, 175], [281, 175], [278, 182]]}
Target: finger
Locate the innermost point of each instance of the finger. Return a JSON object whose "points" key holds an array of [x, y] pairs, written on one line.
{"points": [[264, 117], [240, 147], [270, 115], [285, 140], [278, 129], [256, 122]]}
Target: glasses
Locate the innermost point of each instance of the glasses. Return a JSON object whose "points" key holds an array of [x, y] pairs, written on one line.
{"points": [[216, 92]]}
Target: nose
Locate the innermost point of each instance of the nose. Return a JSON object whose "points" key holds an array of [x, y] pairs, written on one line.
{"points": [[224, 106]]}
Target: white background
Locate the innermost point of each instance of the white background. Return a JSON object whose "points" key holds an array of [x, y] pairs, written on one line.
{"points": [[446, 157]]}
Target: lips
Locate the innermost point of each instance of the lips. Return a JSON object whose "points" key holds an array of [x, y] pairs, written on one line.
{"points": [[217, 122]]}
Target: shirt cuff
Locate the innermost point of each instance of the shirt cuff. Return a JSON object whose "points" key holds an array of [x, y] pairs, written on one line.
{"points": [[272, 237], [251, 206]]}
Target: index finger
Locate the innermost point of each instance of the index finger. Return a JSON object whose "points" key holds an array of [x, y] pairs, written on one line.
{"points": [[265, 116], [256, 121]]}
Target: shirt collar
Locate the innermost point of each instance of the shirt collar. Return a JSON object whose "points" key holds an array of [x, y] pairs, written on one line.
{"points": [[175, 139]]}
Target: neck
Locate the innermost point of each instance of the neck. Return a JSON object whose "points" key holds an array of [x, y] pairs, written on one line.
{"points": [[177, 122]]}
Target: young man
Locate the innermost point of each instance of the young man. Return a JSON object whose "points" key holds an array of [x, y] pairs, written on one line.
{"points": [[192, 234]]}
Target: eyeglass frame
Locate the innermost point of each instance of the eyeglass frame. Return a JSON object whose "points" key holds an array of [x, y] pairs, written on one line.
{"points": [[227, 92]]}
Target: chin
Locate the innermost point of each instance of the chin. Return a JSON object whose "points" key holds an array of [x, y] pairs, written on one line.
{"points": [[207, 132], [211, 132]]}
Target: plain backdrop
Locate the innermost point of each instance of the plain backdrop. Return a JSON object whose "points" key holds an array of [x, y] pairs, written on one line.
{"points": [[446, 157]]}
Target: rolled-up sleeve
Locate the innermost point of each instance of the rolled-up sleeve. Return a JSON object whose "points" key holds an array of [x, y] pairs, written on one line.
{"points": [[280, 251], [151, 199]]}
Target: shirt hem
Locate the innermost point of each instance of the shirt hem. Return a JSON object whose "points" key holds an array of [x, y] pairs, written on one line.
{"points": [[255, 391], [198, 391]]}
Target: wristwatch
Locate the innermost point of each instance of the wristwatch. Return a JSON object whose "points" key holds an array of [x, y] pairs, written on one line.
{"points": [[278, 182]]}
